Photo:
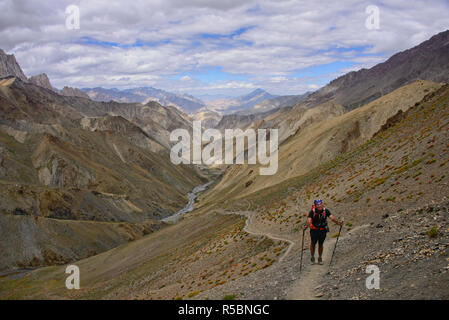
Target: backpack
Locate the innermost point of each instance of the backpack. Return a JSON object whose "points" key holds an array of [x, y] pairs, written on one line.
{"points": [[323, 223]]}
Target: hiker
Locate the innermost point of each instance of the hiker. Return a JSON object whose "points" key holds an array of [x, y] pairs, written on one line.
{"points": [[318, 228]]}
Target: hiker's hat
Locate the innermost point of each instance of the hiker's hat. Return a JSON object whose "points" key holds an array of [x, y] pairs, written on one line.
{"points": [[318, 201]]}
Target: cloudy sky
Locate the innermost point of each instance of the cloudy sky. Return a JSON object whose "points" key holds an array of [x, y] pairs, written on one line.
{"points": [[207, 47]]}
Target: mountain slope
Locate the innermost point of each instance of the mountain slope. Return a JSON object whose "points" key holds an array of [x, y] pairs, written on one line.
{"points": [[208, 118], [69, 163], [235, 120], [392, 193], [427, 61], [380, 188], [320, 141]]}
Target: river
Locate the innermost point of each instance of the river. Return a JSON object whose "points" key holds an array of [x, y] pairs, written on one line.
{"points": [[190, 205]]}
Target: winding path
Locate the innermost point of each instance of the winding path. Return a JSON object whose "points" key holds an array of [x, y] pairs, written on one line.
{"points": [[307, 286], [251, 229]]}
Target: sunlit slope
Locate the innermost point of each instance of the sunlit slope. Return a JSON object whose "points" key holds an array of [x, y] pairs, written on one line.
{"points": [[391, 192], [401, 169], [320, 142]]}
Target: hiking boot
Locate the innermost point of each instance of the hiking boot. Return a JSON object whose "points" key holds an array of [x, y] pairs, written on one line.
{"points": [[312, 260], [320, 261]]}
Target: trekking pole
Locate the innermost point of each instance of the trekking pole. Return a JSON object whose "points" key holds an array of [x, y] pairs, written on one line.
{"points": [[339, 231], [302, 250]]}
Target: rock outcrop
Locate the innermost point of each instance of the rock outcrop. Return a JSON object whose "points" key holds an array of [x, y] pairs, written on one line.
{"points": [[42, 81], [10, 67], [73, 92]]}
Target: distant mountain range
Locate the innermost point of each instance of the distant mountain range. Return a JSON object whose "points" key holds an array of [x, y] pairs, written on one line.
{"points": [[250, 100], [247, 101], [278, 102], [184, 102]]}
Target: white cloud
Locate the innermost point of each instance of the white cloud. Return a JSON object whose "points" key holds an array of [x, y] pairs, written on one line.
{"points": [[265, 41]]}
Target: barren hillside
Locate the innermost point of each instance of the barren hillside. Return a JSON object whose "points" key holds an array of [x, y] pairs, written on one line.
{"points": [[317, 142], [393, 188], [79, 178]]}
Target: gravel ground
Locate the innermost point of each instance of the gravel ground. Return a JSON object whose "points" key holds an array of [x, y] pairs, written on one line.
{"points": [[412, 264]]}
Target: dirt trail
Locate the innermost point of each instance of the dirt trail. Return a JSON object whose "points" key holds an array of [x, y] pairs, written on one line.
{"points": [[307, 286], [251, 228]]}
